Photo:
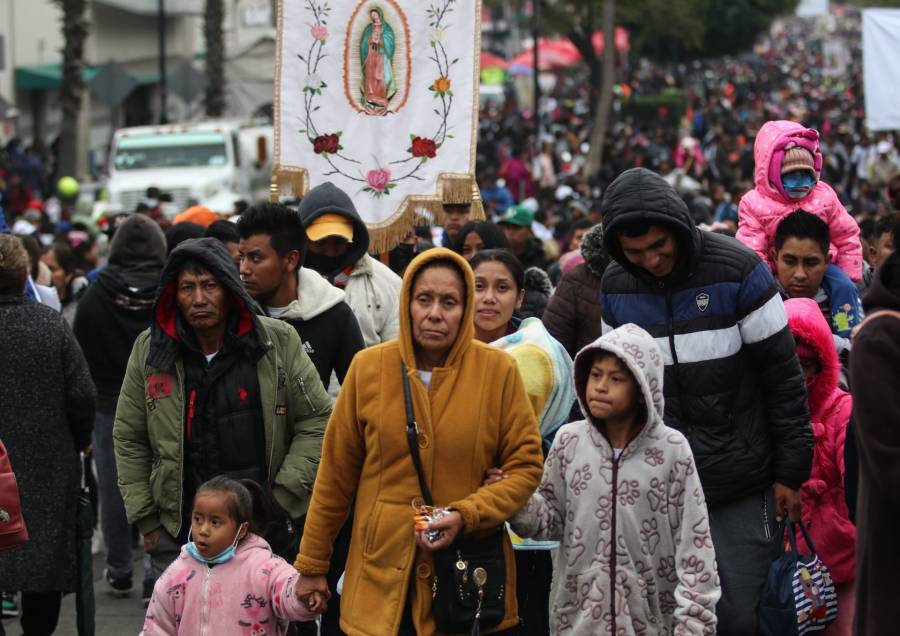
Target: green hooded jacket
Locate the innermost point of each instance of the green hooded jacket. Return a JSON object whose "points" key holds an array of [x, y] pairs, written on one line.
{"points": [[148, 433]]}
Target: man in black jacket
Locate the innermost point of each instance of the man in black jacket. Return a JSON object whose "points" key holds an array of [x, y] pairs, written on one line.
{"points": [[272, 249], [111, 314], [733, 384]]}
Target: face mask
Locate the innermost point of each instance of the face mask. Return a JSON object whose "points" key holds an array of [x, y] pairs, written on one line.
{"points": [[225, 555], [797, 184], [325, 265]]}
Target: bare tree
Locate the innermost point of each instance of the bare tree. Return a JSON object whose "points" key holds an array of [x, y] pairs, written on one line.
{"points": [[604, 106], [213, 19], [75, 31]]}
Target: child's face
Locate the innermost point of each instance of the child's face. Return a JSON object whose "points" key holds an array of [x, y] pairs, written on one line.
{"points": [[612, 391], [811, 368], [212, 526]]}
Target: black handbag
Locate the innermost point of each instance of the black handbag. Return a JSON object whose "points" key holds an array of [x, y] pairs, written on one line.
{"points": [[469, 583]]}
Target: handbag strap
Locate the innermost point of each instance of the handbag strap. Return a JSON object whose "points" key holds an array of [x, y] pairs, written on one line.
{"points": [[412, 437]]}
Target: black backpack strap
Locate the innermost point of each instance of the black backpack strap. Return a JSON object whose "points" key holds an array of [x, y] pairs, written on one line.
{"points": [[412, 437]]}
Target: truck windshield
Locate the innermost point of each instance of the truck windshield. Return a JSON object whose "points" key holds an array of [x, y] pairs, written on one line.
{"points": [[170, 150]]}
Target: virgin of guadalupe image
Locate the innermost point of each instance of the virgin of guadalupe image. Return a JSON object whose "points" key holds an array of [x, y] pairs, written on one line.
{"points": [[376, 54]]}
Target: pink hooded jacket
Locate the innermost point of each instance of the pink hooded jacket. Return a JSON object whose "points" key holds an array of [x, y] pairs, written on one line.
{"points": [[253, 593], [824, 504], [762, 209]]}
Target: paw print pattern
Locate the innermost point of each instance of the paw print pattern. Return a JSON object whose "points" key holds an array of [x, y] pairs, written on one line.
{"points": [[653, 456], [657, 496], [649, 536], [694, 571], [629, 492], [666, 569], [580, 478]]}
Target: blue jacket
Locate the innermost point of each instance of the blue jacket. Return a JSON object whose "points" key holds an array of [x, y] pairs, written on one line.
{"points": [[733, 384]]}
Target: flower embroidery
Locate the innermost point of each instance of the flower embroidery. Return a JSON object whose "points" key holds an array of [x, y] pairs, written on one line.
{"points": [[423, 147], [319, 32], [379, 179], [326, 143], [441, 85]]}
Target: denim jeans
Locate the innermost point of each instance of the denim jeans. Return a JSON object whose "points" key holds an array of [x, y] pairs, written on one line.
{"points": [[113, 523]]}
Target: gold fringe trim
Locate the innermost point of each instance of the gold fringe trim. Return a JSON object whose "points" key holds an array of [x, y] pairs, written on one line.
{"points": [[416, 210], [291, 182]]}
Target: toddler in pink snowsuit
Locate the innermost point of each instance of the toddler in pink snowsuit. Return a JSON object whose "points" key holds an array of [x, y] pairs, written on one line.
{"points": [[217, 587], [788, 165]]}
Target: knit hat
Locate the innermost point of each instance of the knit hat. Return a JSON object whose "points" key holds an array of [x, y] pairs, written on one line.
{"points": [[797, 158]]}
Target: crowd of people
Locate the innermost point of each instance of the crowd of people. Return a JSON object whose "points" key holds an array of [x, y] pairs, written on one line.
{"points": [[598, 408]]}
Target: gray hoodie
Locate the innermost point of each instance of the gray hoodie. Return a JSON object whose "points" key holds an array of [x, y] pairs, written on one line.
{"points": [[644, 512]]}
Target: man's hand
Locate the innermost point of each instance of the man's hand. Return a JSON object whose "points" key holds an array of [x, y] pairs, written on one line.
{"points": [[451, 525], [150, 539], [787, 500], [312, 592]]}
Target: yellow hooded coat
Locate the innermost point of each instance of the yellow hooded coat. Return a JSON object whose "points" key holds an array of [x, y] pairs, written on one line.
{"points": [[474, 416]]}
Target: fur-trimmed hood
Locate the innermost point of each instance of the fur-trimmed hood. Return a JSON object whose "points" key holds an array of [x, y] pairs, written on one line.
{"points": [[596, 257], [809, 328]]}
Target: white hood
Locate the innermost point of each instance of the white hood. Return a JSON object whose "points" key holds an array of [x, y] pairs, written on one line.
{"points": [[315, 295]]}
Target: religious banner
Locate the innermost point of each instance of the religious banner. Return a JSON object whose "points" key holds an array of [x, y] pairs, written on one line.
{"points": [[380, 97]]}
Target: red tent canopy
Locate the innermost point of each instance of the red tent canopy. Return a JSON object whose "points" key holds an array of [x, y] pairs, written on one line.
{"points": [[620, 37], [554, 55], [489, 60]]}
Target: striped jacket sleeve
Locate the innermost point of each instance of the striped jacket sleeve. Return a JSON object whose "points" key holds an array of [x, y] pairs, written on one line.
{"points": [[768, 340]]}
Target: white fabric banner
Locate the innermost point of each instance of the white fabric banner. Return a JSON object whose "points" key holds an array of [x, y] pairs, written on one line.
{"points": [[881, 72], [379, 97]]}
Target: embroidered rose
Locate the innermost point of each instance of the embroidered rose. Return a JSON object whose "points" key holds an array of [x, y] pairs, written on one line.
{"points": [[436, 35], [441, 85], [313, 81], [378, 179], [326, 143], [319, 32], [423, 147]]}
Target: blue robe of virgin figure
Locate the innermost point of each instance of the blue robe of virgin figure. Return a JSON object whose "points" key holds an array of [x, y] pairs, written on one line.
{"points": [[386, 53]]}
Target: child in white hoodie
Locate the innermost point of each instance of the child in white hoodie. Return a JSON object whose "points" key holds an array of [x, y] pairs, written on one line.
{"points": [[622, 494]]}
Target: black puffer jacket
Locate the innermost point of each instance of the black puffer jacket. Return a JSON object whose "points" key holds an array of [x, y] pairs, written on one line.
{"points": [[733, 384], [573, 313]]}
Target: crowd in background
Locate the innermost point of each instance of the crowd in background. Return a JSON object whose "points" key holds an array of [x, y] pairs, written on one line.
{"points": [[541, 206]]}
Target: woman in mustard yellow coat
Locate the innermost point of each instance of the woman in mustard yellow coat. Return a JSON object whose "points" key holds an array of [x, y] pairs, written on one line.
{"points": [[473, 414]]}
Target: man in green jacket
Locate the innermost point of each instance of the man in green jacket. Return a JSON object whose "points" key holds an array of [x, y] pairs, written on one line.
{"points": [[213, 388]]}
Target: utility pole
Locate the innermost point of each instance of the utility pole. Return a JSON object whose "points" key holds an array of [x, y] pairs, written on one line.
{"points": [[163, 87], [535, 35]]}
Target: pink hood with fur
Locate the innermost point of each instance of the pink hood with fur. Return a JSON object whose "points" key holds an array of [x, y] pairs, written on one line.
{"points": [[824, 504], [762, 209]]}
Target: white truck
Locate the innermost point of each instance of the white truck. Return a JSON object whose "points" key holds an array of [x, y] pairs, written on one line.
{"points": [[213, 163]]}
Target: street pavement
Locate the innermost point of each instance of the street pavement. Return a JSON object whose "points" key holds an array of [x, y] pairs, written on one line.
{"points": [[115, 616]]}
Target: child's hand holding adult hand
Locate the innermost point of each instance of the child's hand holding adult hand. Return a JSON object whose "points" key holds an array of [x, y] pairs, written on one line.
{"points": [[312, 592]]}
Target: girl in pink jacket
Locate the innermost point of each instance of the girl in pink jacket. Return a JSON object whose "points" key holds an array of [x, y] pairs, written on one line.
{"points": [[788, 165], [824, 503], [226, 580]]}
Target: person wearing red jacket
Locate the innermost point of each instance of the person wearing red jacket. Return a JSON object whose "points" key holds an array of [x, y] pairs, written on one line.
{"points": [[825, 511]]}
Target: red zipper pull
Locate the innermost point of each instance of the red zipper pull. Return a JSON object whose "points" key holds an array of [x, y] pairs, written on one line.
{"points": [[190, 420]]}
